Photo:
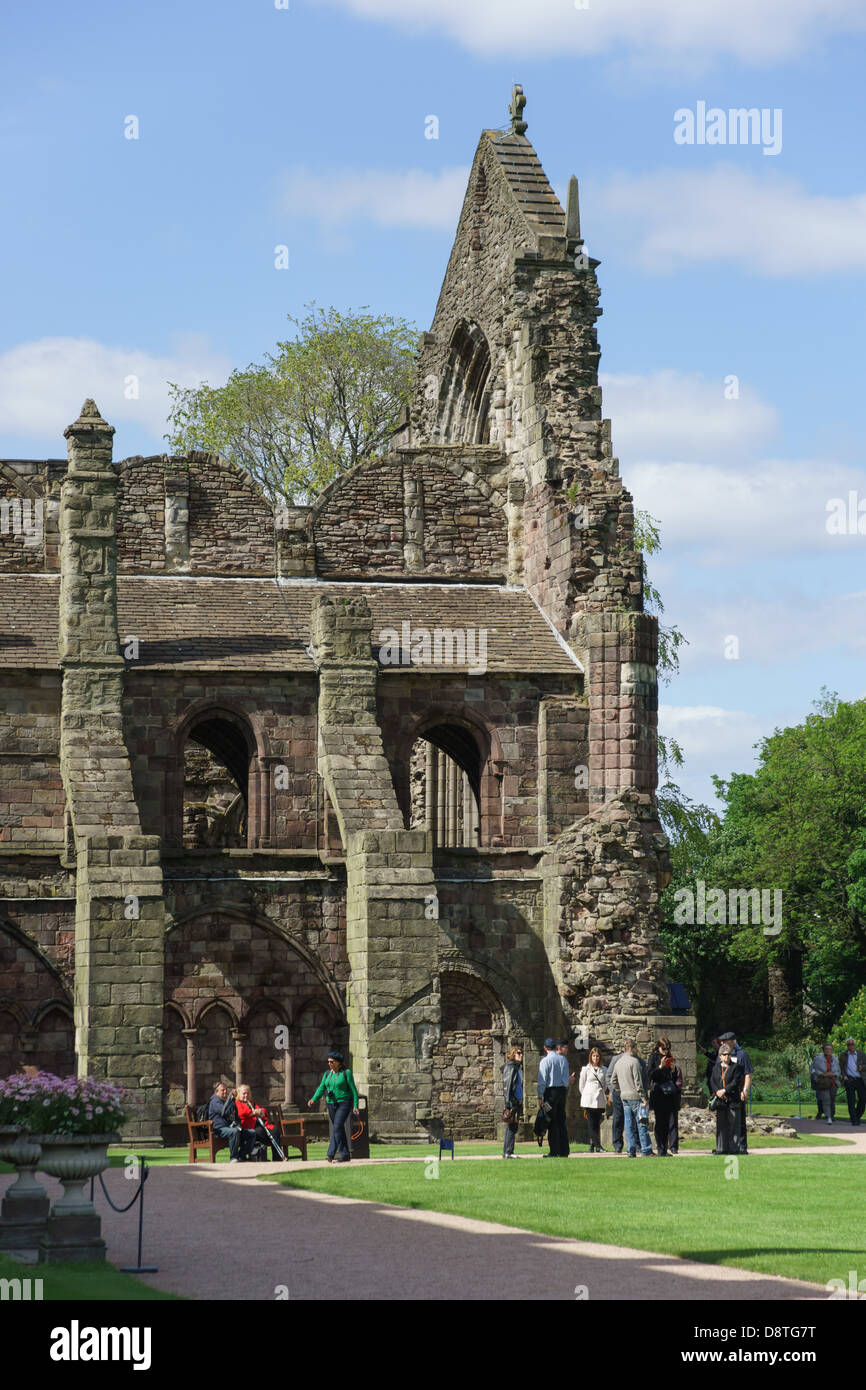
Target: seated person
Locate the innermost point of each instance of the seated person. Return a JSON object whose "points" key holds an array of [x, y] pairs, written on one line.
{"points": [[223, 1112], [248, 1114]]}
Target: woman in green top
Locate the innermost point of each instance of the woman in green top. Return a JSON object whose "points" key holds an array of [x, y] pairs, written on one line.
{"points": [[338, 1085]]}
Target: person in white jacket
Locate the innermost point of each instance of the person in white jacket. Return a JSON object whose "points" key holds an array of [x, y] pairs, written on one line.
{"points": [[593, 1098]]}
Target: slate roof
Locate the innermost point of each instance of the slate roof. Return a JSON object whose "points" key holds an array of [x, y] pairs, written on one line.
{"points": [[254, 625], [529, 184]]}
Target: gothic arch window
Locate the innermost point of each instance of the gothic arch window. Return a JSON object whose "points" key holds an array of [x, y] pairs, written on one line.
{"points": [[465, 394], [445, 786], [218, 750]]}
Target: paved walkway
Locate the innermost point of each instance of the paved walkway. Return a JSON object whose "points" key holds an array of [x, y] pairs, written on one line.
{"points": [[217, 1233]]}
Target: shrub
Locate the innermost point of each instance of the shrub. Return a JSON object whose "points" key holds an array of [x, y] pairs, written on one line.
{"points": [[852, 1024]]}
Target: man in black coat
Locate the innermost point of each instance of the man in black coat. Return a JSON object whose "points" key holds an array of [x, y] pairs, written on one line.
{"points": [[743, 1060], [224, 1114], [727, 1087]]}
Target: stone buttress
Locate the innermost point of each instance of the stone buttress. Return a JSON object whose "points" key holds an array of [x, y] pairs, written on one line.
{"points": [[392, 1002], [118, 996]]}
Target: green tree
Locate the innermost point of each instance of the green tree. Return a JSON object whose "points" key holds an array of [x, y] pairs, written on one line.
{"points": [[326, 399], [798, 824]]}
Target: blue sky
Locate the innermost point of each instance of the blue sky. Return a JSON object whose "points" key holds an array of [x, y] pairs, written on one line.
{"points": [[305, 127]]}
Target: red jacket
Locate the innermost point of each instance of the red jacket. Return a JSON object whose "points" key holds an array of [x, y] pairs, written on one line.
{"points": [[246, 1116]]}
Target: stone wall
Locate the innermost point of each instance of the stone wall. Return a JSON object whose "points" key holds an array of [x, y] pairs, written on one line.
{"points": [[603, 878], [429, 512], [141, 515], [32, 801], [231, 525]]}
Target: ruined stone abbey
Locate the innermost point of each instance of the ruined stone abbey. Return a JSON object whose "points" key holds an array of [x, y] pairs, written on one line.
{"points": [[378, 771]]}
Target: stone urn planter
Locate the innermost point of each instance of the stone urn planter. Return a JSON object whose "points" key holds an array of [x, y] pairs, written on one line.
{"points": [[24, 1210], [73, 1228]]}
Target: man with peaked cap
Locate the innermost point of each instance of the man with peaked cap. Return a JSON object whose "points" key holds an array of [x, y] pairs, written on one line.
{"points": [[740, 1055]]}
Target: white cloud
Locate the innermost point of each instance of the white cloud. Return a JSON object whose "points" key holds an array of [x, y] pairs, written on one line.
{"points": [[787, 625], [414, 198], [754, 31], [671, 414], [764, 223], [43, 383], [728, 514], [713, 740]]}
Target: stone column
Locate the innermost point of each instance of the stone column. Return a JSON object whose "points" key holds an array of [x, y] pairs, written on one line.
{"points": [[119, 920], [190, 1035], [295, 549], [430, 788], [239, 1040], [176, 517], [413, 520]]}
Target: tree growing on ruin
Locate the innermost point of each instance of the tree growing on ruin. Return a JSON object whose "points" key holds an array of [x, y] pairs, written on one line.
{"points": [[326, 399]]}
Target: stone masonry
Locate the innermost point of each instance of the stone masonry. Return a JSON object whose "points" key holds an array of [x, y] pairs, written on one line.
{"points": [[378, 771]]}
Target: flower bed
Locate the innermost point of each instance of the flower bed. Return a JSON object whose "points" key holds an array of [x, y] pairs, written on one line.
{"points": [[46, 1104]]}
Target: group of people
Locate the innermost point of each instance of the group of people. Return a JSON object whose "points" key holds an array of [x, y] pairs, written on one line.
{"points": [[630, 1088], [235, 1118], [828, 1072], [246, 1127]]}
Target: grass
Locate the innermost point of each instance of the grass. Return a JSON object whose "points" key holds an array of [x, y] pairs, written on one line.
{"points": [[317, 1151], [91, 1280], [777, 1217]]}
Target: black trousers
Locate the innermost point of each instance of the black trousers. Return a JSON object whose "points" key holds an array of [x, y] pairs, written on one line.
{"points": [[664, 1111], [741, 1106], [557, 1134], [593, 1120], [855, 1094], [728, 1131]]}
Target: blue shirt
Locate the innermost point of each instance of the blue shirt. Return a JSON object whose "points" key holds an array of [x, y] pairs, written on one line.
{"points": [[518, 1087], [553, 1070]]}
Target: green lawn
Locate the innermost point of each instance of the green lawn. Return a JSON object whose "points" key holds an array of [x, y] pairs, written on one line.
{"points": [[776, 1217], [93, 1281], [318, 1151]]}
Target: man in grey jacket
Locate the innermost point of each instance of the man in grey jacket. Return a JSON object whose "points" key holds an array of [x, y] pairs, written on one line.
{"points": [[629, 1079], [853, 1066]]}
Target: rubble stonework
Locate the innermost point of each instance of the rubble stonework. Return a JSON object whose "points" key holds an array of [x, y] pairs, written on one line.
{"points": [[246, 814]]}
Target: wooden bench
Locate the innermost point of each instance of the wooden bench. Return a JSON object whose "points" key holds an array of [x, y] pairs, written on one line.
{"points": [[201, 1136], [289, 1133]]}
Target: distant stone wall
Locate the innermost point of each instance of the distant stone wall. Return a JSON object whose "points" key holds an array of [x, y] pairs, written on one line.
{"points": [[231, 526], [36, 1027], [32, 800], [141, 515], [415, 512], [22, 518]]}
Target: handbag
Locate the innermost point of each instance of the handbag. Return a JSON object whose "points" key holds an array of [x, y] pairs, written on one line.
{"points": [[511, 1114]]}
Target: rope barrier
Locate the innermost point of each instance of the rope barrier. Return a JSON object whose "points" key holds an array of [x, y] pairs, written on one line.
{"points": [[138, 1196]]}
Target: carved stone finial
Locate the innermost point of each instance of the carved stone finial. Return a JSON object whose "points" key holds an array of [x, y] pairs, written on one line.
{"points": [[572, 211], [88, 421], [515, 110]]}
